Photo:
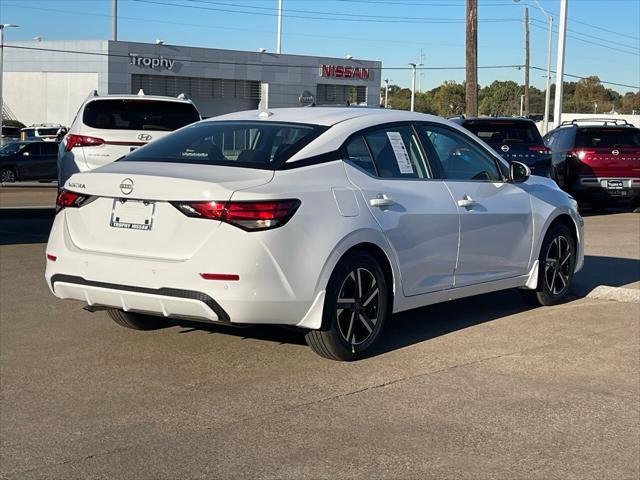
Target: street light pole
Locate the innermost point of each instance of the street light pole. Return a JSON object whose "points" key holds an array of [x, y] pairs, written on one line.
{"points": [[562, 36], [2, 27], [386, 93], [279, 35], [114, 20], [547, 93], [413, 86]]}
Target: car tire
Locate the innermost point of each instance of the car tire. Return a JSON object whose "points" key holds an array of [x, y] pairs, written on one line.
{"points": [[356, 307], [8, 175], [556, 267], [137, 321]]}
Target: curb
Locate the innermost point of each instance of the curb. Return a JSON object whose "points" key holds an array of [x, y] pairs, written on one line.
{"points": [[616, 294], [52, 184]]}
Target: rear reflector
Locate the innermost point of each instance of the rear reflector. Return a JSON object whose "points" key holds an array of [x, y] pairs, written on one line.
{"points": [[250, 216], [220, 276], [71, 141], [53, 258]]}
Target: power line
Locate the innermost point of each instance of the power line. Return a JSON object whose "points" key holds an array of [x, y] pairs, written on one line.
{"points": [[582, 78], [227, 62], [221, 27], [576, 32], [593, 43], [403, 20], [278, 65]]}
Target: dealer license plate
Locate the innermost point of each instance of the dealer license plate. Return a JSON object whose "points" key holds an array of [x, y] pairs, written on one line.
{"points": [[132, 214], [614, 184]]}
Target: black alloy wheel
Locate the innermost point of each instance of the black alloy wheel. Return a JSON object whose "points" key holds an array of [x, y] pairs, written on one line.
{"points": [[356, 307]]}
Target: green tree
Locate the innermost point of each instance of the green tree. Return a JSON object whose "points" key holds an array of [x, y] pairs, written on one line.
{"points": [[630, 103], [500, 98], [448, 99]]}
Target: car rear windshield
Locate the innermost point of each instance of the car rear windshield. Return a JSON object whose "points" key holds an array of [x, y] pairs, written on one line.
{"points": [[501, 132], [48, 131], [608, 137], [244, 144], [134, 114], [10, 131]]}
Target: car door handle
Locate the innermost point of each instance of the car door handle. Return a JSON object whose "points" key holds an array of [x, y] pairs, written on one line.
{"points": [[381, 201], [467, 202]]}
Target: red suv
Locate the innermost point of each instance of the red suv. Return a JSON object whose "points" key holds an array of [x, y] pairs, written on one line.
{"points": [[597, 160]]}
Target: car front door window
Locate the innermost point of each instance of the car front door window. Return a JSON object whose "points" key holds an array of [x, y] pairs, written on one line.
{"points": [[460, 159]]}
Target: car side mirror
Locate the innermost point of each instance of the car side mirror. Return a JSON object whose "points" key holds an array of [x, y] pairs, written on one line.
{"points": [[518, 172], [25, 154]]}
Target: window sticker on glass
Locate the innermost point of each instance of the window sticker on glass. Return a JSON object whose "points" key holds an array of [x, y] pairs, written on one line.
{"points": [[400, 151]]}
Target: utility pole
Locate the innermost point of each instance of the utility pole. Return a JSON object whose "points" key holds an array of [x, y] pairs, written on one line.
{"points": [[114, 20], [279, 36], [472, 58], [526, 62], [386, 93], [562, 35]]}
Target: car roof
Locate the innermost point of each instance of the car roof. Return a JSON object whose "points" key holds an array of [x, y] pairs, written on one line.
{"points": [[157, 98], [496, 119], [344, 122], [326, 116]]}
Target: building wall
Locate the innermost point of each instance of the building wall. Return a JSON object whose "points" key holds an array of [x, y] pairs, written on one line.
{"points": [[288, 76], [47, 85], [107, 67], [47, 97]]}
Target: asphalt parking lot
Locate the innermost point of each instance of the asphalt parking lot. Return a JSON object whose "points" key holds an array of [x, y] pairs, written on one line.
{"points": [[479, 388]]}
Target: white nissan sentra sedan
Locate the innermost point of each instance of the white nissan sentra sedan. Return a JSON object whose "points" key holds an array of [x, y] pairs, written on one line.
{"points": [[328, 219]]}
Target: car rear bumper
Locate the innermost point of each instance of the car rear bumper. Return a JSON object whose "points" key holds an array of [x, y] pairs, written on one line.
{"points": [[606, 188], [170, 288]]}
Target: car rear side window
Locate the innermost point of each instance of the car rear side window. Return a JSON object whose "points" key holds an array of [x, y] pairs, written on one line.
{"points": [[358, 154], [134, 114], [505, 132], [264, 145], [608, 137], [396, 153]]}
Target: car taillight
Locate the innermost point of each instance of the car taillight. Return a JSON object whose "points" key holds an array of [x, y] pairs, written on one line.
{"points": [[580, 154], [71, 141], [540, 149], [69, 199], [250, 216]]}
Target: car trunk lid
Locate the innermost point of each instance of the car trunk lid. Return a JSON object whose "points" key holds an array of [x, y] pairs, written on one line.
{"points": [[130, 211]]}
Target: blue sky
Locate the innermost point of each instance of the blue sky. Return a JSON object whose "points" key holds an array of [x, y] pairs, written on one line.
{"points": [[604, 34]]}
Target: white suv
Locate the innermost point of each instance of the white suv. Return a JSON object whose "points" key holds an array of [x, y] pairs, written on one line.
{"points": [[108, 127]]}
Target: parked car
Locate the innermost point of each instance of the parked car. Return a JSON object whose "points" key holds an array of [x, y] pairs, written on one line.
{"points": [[48, 132], [35, 160], [597, 160], [10, 134], [513, 139], [328, 219], [108, 127]]}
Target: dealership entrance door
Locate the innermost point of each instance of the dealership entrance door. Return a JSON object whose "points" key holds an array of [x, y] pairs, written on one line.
{"points": [[212, 96]]}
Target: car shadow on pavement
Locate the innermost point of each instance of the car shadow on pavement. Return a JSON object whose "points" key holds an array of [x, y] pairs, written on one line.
{"points": [[25, 225], [421, 324], [608, 271]]}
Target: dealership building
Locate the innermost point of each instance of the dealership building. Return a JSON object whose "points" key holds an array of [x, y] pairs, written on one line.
{"points": [[46, 81]]}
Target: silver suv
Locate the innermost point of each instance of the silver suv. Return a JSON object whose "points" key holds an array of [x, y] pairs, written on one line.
{"points": [[108, 127]]}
